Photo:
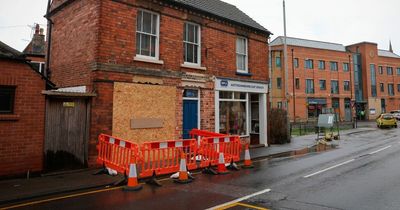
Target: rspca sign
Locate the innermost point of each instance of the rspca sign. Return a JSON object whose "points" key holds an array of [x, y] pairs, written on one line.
{"points": [[240, 86]]}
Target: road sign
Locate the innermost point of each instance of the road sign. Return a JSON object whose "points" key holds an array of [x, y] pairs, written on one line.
{"points": [[326, 120]]}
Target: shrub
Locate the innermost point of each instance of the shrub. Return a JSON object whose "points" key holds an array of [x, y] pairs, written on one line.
{"points": [[277, 124]]}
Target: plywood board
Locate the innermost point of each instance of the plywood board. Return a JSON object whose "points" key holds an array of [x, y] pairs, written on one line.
{"points": [[141, 101]]}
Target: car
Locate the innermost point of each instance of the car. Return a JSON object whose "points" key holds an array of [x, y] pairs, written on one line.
{"points": [[386, 120], [396, 114]]}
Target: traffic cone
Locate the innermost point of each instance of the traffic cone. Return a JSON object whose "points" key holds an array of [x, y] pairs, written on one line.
{"points": [[133, 184], [183, 173], [247, 160], [221, 168]]}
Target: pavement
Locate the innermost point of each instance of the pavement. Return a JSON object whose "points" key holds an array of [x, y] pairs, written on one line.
{"points": [[18, 190]]}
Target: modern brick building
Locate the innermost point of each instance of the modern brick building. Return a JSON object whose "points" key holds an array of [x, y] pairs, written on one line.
{"points": [[22, 113], [160, 68], [329, 75]]}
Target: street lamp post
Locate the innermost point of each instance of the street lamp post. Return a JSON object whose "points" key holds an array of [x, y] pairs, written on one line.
{"points": [[352, 102], [286, 71]]}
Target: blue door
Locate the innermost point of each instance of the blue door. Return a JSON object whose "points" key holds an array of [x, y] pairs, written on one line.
{"points": [[190, 116]]}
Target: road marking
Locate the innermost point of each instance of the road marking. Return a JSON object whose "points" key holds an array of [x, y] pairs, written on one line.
{"points": [[239, 199], [251, 206], [379, 150], [60, 198], [327, 169]]}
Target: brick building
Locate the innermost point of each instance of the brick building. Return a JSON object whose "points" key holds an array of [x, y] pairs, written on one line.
{"points": [[22, 111], [161, 68], [329, 75]]}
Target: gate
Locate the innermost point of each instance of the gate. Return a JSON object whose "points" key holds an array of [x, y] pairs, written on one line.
{"points": [[66, 135]]}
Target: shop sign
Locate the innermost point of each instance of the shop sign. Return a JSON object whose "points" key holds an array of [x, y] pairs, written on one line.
{"points": [[240, 86]]}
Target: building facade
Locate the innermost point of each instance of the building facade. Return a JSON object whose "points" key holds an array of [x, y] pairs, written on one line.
{"points": [[22, 111], [160, 68], [323, 75]]}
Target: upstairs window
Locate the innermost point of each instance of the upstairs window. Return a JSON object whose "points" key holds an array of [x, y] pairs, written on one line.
{"points": [[382, 87], [191, 43], [334, 87], [147, 32], [380, 69], [345, 66], [7, 96], [398, 71], [309, 64], [296, 63], [321, 65], [279, 83], [39, 66], [309, 86], [322, 84], [391, 89], [346, 85], [297, 81], [389, 70], [278, 61], [334, 66], [241, 54]]}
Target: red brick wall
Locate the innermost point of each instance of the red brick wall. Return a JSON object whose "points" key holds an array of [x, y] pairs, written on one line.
{"points": [[73, 44], [22, 133], [303, 53]]}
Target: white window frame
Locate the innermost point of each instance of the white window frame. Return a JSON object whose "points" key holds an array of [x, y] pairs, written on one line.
{"points": [[198, 45], [157, 47], [40, 66], [246, 100], [246, 70]]}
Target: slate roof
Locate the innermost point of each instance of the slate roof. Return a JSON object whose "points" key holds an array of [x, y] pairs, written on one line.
{"points": [[10, 53], [385, 53], [308, 43], [222, 10]]}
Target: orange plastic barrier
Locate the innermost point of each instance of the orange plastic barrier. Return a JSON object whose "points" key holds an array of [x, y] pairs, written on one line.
{"points": [[116, 153], [194, 133], [210, 148], [163, 157]]}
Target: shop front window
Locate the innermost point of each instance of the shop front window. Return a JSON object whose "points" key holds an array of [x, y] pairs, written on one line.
{"points": [[232, 113]]}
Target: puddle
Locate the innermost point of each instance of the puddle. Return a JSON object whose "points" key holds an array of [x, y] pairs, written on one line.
{"points": [[313, 149]]}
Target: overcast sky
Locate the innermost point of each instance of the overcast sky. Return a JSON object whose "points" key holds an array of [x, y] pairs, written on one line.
{"points": [[340, 21]]}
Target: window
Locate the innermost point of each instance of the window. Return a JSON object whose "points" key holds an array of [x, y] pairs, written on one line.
{"points": [[334, 87], [241, 54], [232, 113], [296, 63], [322, 84], [389, 70], [321, 65], [309, 86], [278, 61], [147, 28], [309, 64], [373, 80], [191, 43], [7, 96], [346, 67], [398, 87], [279, 105], [39, 66], [382, 87], [380, 69], [391, 89], [334, 66], [346, 85], [297, 83], [279, 83], [398, 71]]}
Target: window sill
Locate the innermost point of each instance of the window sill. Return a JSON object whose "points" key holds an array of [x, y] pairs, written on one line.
{"points": [[9, 117], [191, 66], [244, 74], [148, 60]]}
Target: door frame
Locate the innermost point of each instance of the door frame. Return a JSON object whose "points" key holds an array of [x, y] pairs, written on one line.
{"points": [[198, 105]]}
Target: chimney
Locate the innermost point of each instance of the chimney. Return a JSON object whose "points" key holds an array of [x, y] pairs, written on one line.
{"points": [[37, 29], [390, 46]]}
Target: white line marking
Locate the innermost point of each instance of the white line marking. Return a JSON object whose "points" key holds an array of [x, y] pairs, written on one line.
{"points": [[240, 199], [379, 150], [327, 169]]}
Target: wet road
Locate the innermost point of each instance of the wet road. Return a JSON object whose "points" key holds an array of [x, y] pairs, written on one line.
{"points": [[363, 173]]}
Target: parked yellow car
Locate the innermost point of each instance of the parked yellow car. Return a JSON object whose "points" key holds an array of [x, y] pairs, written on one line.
{"points": [[386, 120]]}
